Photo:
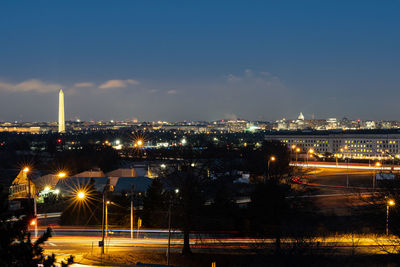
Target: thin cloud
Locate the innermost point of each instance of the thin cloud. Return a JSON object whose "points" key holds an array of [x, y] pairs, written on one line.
{"points": [[33, 85], [172, 92], [85, 84], [233, 78], [110, 84]]}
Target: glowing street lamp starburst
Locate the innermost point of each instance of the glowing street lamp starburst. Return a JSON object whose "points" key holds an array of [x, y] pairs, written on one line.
{"points": [[81, 195], [61, 175]]}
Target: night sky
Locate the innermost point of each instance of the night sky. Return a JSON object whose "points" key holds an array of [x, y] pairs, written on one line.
{"points": [[199, 60]]}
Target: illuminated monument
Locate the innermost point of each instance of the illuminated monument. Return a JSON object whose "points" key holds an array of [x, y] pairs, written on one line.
{"points": [[61, 120]]}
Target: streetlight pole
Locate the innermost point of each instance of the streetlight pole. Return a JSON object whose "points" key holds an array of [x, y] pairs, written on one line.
{"points": [[106, 226], [132, 190], [347, 174], [103, 224], [272, 158], [297, 151], [169, 230], [35, 215], [169, 226], [347, 165], [389, 203], [292, 148]]}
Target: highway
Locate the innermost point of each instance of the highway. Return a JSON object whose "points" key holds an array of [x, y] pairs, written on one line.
{"points": [[85, 248]]}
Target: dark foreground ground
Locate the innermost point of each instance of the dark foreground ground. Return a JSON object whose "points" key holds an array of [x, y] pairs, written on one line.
{"points": [[201, 259]]}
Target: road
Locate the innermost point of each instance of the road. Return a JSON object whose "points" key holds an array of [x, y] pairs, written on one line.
{"points": [[85, 247]]}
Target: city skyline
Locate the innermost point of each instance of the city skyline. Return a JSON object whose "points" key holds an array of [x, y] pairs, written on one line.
{"points": [[259, 61]]}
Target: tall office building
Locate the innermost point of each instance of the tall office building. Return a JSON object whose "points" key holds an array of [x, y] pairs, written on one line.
{"points": [[61, 120]]}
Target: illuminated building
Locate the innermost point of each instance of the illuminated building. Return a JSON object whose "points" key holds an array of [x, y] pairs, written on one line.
{"points": [[345, 145]]}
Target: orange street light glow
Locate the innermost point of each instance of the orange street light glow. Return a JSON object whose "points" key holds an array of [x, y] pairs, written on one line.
{"points": [[81, 195], [298, 149], [391, 202], [26, 169], [272, 158], [61, 174]]}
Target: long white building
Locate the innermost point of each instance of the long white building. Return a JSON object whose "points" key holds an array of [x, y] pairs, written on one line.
{"points": [[354, 145]]}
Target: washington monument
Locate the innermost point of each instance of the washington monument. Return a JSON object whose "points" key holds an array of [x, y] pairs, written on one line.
{"points": [[61, 120]]}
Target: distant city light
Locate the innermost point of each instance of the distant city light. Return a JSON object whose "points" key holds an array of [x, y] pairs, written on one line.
{"points": [[61, 174]]}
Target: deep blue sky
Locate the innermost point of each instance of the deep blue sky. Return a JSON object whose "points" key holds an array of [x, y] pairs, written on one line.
{"points": [[204, 60]]}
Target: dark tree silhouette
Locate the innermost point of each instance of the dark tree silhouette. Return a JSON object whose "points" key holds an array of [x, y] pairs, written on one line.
{"points": [[189, 181], [16, 247], [155, 206]]}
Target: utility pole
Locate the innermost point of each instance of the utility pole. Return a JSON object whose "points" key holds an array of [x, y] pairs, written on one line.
{"points": [[106, 218], [35, 215], [347, 175], [103, 224], [169, 231], [132, 190], [107, 188]]}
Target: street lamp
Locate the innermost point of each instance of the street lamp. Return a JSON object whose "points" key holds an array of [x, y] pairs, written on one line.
{"points": [[272, 158], [81, 195], [310, 151], [169, 225], [389, 203], [347, 165], [138, 143], [61, 175], [297, 151], [292, 147], [377, 164], [26, 170]]}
